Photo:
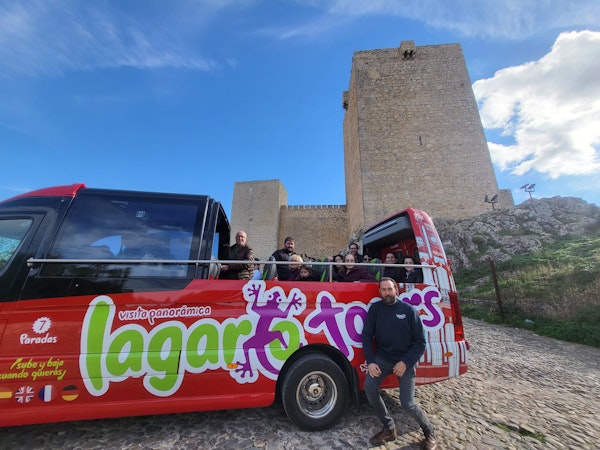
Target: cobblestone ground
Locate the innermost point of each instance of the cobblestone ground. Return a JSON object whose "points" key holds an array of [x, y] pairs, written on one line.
{"points": [[522, 392]]}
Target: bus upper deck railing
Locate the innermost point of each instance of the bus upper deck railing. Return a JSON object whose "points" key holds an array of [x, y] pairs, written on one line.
{"points": [[32, 261], [201, 262]]}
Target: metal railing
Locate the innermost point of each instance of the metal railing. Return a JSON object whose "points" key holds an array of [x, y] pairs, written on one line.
{"points": [[199, 262]]}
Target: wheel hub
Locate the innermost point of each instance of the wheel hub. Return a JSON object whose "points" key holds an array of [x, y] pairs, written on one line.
{"points": [[315, 389]]}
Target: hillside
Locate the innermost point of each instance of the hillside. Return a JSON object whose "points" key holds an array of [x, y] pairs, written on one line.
{"points": [[522, 229], [546, 258]]}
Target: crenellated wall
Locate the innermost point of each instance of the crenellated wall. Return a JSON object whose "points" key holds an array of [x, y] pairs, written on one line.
{"points": [[319, 230]]}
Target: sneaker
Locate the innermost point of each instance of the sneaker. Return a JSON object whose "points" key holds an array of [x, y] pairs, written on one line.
{"points": [[385, 435], [429, 442]]}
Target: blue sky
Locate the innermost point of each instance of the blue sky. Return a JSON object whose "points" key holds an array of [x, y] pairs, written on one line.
{"points": [[191, 96]]}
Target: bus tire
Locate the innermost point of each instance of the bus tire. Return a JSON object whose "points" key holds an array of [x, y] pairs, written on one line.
{"points": [[314, 392]]}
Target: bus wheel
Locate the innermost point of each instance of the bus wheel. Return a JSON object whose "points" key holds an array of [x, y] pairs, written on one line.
{"points": [[314, 392]]}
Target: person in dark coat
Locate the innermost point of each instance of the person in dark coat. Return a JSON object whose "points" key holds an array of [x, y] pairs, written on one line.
{"points": [[393, 341], [239, 251], [412, 274], [354, 273], [294, 269], [353, 248], [306, 274], [337, 269], [392, 272], [284, 254]]}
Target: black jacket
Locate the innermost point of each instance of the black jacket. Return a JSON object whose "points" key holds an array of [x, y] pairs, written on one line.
{"points": [[414, 276], [397, 331], [283, 270]]}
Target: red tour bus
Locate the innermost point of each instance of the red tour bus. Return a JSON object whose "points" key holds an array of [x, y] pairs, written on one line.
{"points": [[110, 305]]}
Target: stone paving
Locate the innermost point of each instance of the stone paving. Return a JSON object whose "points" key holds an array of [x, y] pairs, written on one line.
{"points": [[522, 392]]}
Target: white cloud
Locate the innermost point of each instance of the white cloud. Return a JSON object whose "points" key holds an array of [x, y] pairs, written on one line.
{"points": [[551, 107], [55, 36], [313, 28], [508, 19], [489, 19]]}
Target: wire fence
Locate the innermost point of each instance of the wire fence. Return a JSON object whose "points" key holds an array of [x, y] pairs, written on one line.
{"points": [[540, 288]]}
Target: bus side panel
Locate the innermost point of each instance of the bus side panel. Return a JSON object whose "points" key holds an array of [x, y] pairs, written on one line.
{"points": [[127, 354], [446, 345], [215, 344]]}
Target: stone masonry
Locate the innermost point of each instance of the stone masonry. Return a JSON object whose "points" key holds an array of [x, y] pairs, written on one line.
{"points": [[412, 138], [318, 230], [256, 209]]}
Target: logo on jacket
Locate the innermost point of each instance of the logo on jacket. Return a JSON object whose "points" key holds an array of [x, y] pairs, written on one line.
{"points": [[401, 316]]}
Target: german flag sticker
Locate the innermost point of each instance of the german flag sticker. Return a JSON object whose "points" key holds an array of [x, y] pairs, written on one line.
{"points": [[70, 393], [5, 393]]}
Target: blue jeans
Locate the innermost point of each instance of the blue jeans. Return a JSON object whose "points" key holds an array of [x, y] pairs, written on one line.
{"points": [[407, 396]]}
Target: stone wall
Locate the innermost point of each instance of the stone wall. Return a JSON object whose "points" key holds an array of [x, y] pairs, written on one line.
{"points": [[318, 230], [260, 209]]}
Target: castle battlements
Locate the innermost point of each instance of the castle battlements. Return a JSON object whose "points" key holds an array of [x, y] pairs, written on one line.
{"points": [[315, 207]]}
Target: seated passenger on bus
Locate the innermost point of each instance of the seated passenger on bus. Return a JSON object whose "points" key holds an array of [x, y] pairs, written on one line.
{"points": [[394, 273], [353, 249], [294, 268], [305, 273], [284, 254], [337, 268], [354, 273], [412, 274], [239, 251]]}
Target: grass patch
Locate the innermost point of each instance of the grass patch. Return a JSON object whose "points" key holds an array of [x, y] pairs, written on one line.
{"points": [[523, 432], [535, 435], [480, 312], [554, 292], [582, 329]]}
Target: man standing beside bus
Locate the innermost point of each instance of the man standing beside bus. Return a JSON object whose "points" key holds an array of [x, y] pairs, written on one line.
{"points": [[397, 330]]}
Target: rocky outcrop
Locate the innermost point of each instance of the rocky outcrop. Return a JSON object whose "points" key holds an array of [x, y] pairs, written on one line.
{"points": [[524, 228]]}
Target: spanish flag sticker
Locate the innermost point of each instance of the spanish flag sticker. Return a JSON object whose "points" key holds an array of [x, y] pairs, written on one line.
{"points": [[5, 392], [47, 393], [70, 393]]}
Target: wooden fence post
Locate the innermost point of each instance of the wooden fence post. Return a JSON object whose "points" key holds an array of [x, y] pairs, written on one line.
{"points": [[497, 289]]}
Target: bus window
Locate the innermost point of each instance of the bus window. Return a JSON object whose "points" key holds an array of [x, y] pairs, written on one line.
{"points": [[124, 229], [12, 232]]}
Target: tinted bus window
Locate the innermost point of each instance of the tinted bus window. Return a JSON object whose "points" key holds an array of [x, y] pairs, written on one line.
{"points": [[117, 228], [12, 232]]}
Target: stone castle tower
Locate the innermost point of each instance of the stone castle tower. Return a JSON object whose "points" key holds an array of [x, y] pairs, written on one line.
{"points": [[256, 209], [412, 138]]}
